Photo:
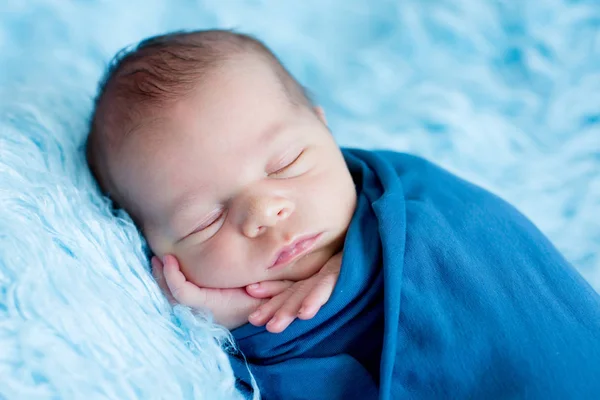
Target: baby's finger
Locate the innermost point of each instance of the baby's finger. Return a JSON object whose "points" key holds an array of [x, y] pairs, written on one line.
{"points": [[266, 311], [288, 311], [318, 296], [184, 292], [173, 275], [280, 322], [157, 273], [266, 289]]}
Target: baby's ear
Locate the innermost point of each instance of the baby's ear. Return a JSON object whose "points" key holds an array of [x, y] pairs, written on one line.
{"points": [[321, 114]]}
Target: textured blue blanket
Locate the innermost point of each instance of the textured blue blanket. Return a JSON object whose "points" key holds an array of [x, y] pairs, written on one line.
{"points": [[503, 93], [446, 291]]}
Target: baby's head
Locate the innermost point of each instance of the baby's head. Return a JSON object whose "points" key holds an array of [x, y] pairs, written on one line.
{"points": [[215, 151]]}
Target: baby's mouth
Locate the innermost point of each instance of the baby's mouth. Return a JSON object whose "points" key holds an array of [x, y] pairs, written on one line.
{"points": [[294, 250]]}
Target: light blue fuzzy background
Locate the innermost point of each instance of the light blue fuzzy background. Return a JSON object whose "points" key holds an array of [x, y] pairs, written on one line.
{"points": [[504, 93]]}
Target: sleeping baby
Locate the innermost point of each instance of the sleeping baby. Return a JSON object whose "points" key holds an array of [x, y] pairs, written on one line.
{"points": [[342, 273]]}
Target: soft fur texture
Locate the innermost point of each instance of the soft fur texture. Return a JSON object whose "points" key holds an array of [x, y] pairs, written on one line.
{"points": [[506, 94]]}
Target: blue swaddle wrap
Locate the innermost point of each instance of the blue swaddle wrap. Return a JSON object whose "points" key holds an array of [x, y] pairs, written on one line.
{"points": [[445, 291]]}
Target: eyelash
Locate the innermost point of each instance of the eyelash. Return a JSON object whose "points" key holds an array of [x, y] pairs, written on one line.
{"points": [[280, 170], [211, 222]]}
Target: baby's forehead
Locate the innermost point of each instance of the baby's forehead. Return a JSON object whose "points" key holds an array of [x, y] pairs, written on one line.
{"points": [[136, 99]]}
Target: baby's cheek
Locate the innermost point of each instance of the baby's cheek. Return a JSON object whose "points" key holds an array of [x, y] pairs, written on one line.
{"points": [[208, 267], [158, 244], [325, 194], [193, 263]]}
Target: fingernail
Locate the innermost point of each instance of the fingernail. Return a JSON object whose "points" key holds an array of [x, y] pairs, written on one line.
{"points": [[302, 311], [255, 314], [164, 260], [273, 321], [253, 286]]}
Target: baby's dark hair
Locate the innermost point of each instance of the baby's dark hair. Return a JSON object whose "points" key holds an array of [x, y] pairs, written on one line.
{"points": [[159, 71]]}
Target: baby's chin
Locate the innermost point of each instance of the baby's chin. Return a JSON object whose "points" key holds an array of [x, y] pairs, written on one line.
{"points": [[303, 269], [242, 283], [221, 284], [229, 281]]}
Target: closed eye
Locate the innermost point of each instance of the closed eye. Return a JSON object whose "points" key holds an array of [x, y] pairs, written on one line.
{"points": [[288, 165], [210, 221]]}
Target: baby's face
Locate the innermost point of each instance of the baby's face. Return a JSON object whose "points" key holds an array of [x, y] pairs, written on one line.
{"points": [[238, 184]]}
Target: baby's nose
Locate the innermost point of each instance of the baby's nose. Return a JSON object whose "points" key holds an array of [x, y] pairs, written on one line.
{"points": [[265, 212]]}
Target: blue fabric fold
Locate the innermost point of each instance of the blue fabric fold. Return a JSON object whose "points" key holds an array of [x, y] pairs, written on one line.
{"points": [[445, 291]]}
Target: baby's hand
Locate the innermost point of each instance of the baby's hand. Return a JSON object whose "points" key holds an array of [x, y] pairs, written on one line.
{"points": [[230, 307], [301, 300]]}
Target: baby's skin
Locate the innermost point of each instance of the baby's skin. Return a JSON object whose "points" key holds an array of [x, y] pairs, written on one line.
{"points": [[243, 196], [275, 303]]}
